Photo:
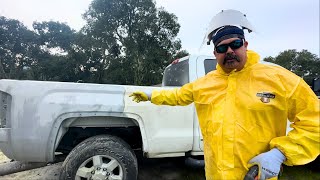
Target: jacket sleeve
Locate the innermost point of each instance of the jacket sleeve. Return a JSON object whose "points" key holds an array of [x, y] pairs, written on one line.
{"points": [[179, 96], [302, 144]]}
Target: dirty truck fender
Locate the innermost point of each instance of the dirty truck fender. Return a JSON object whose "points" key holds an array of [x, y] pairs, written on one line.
{"points": [[39, 109]]}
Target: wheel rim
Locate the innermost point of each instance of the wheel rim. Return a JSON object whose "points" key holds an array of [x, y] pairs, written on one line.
{"points": [[100, 167]]}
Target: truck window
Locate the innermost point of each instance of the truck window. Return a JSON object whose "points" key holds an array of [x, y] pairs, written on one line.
{"points": [[176, 74], [316, 86], [209, 65]]}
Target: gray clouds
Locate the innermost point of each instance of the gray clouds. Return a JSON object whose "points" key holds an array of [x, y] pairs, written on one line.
{"points": [[281, 25]]}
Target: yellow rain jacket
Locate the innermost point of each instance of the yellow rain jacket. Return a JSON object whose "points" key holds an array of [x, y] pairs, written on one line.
{"points": [[244, 113]]}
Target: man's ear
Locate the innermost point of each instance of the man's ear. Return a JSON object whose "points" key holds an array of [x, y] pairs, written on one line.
{"points": [[246, 44], [214, 52]]}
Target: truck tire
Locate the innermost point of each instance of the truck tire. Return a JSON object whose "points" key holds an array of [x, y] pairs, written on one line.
{"points": [[101, 157]]}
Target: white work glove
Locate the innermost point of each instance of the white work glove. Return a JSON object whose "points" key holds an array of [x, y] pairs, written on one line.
{"points": [[139, 96], [269, 163]]}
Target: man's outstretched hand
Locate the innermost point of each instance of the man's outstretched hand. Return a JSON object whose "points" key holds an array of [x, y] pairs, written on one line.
{"points": [[139, 96]]}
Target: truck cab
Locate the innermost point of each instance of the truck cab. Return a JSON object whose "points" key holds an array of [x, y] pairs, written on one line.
{"points": [[185, 70]]}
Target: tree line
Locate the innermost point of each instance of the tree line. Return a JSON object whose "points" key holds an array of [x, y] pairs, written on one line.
{"points": [[123, 42], [303, 63]]}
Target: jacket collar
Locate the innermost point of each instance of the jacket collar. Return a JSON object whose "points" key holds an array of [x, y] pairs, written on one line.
{"points": [[252, 58]]}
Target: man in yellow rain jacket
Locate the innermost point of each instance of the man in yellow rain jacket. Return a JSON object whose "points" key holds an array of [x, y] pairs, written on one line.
{"points": [[243, 107]]}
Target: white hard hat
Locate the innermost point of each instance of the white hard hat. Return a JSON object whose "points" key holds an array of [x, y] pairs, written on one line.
{"points": [[228, 18]]}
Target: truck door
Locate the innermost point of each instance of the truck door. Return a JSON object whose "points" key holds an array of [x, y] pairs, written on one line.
{"points": [[205, 64]]}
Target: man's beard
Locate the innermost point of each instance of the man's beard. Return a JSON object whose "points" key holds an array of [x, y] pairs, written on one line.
{"points": [[230, 57]]}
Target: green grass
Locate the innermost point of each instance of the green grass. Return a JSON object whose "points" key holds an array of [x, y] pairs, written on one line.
{"points": [[175, 169], [300, 173], [289, 173]]}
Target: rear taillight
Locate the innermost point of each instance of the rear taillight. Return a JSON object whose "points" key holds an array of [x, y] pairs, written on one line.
{"points": [[175, 61]]}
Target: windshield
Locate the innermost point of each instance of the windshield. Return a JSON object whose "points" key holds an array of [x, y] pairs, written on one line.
{"points": [[176, 74]]}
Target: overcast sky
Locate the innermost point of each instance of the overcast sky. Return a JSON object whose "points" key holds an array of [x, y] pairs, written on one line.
{"points": [[281, 24]]}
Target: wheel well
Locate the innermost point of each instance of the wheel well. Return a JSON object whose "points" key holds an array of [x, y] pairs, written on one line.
{"points": [[75, 135]]}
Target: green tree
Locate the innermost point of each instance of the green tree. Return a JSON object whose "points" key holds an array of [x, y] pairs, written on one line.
{"points": [[18, 49], [54, 34], [42, 54], [58, 41], [303, 63], [131, 41]]}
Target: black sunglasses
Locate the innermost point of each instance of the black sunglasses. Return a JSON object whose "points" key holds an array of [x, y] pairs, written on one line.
{"points": [[233, 45]]}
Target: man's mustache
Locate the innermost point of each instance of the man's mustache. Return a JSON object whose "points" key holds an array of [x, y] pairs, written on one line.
{"points": [[229, 57]]}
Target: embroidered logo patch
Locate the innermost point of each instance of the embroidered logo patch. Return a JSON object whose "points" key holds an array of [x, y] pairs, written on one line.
{"points": [[265, 96]]}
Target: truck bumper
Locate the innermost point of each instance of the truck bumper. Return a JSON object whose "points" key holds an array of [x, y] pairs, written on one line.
{"points": [[4, 142]]}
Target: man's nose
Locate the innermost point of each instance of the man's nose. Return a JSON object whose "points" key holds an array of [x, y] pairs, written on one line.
{"points": [[229, 50]]}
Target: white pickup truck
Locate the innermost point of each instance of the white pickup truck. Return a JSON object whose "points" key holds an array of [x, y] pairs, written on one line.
{"points": [[97, 124]]}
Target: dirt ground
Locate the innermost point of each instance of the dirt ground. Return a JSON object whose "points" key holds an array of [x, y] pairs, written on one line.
{"points": [[155, 169], [3, 158], [48, 172], [161, 169]]}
